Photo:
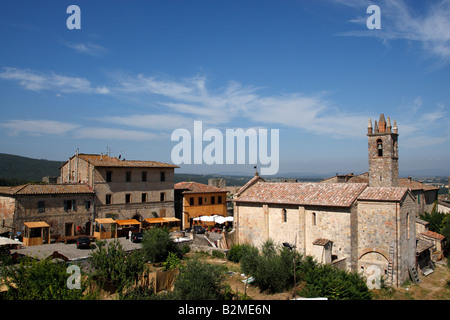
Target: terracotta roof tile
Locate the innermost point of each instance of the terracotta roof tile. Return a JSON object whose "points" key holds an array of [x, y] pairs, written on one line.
{"points": [[48, 189], [415, 185], [433, 235], [318, 194], [106, 161], [383, 194], [195, 187], [251, 182]]}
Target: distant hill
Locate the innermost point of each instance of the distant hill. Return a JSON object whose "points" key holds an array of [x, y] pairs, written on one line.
{"points": [[203, 178], [19, 168], [15, 170]]}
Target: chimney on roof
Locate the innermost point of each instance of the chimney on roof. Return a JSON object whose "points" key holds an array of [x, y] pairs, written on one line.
{"points": [[409, 179]]}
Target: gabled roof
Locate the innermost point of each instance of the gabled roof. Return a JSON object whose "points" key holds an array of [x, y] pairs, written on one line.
{"points": [[106, 161], [250, 183], [389, 194], [31, 189], [195, 187], [317, 194]]}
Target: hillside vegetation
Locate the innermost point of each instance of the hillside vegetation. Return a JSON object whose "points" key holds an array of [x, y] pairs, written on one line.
{"points": [[16, 169]]}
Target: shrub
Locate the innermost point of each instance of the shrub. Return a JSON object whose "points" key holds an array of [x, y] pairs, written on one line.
{"points": [[273, 269], [41, 280], [157, 243], [326, 281], [172, 262], [200, 281], [113, 266], [249, 259], [218, 254]]}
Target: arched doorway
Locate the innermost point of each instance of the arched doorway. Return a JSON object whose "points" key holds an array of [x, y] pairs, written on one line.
{"points": [[373, 266]]}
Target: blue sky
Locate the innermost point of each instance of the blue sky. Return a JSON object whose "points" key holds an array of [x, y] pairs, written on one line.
{"points": [[137, 70]]}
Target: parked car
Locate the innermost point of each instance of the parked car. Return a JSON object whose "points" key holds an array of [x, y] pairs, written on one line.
{"points": [[136, 237], [83, 242], [199, 229]]}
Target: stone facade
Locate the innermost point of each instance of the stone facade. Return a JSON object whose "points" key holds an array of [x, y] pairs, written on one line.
{"points": [[369, 228], [124, 189], [68, 209], [383, 154]]}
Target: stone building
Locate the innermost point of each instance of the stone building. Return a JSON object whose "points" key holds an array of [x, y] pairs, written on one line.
{"points": [[66, 208], [124, 189], [366, 226]]}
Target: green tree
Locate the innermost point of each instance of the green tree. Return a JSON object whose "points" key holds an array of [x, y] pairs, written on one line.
{"points": [[157, 243], [42, 280], [249, 259], [199, 280], [172, 262], [435, 220], [273, 268], [323, 280], [111, 265]]}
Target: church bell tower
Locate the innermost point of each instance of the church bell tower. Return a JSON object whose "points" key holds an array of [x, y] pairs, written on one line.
{"points": [[383, 153]]}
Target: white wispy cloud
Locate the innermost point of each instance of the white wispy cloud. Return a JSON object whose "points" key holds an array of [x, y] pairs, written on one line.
{"points": [[38, 127], [429, 27], [192, 99], [37, 81], [153, 122], [85, 48], [114, 134], [44, 127], [177, 103]]}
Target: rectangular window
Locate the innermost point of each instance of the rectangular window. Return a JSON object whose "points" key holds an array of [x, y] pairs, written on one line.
{"points": [[144, 197], [191, 201], [128, 176], [144, 175], [200, 201], [87, 204], [108, 176], [213, 200], [128, 198], [67, 205], [41, 206], [219, 199], [108, 199], [163, 176], [162, 196]]}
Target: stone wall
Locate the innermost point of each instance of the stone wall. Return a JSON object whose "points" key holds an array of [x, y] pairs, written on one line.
{"points": [[380, 225], [27, 210], [289, 223], [7, 205]]}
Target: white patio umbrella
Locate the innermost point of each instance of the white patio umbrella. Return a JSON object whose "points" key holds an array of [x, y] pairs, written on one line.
{"points": [[5, 241]]}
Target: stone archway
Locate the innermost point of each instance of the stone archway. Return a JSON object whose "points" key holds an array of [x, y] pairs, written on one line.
{"points": [[373, 265]]}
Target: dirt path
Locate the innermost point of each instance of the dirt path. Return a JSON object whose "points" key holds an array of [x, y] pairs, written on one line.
{"points": [[435, 286]]}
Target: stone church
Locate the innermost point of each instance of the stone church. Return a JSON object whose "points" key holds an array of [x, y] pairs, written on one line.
{"points": [[362, 227]]}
